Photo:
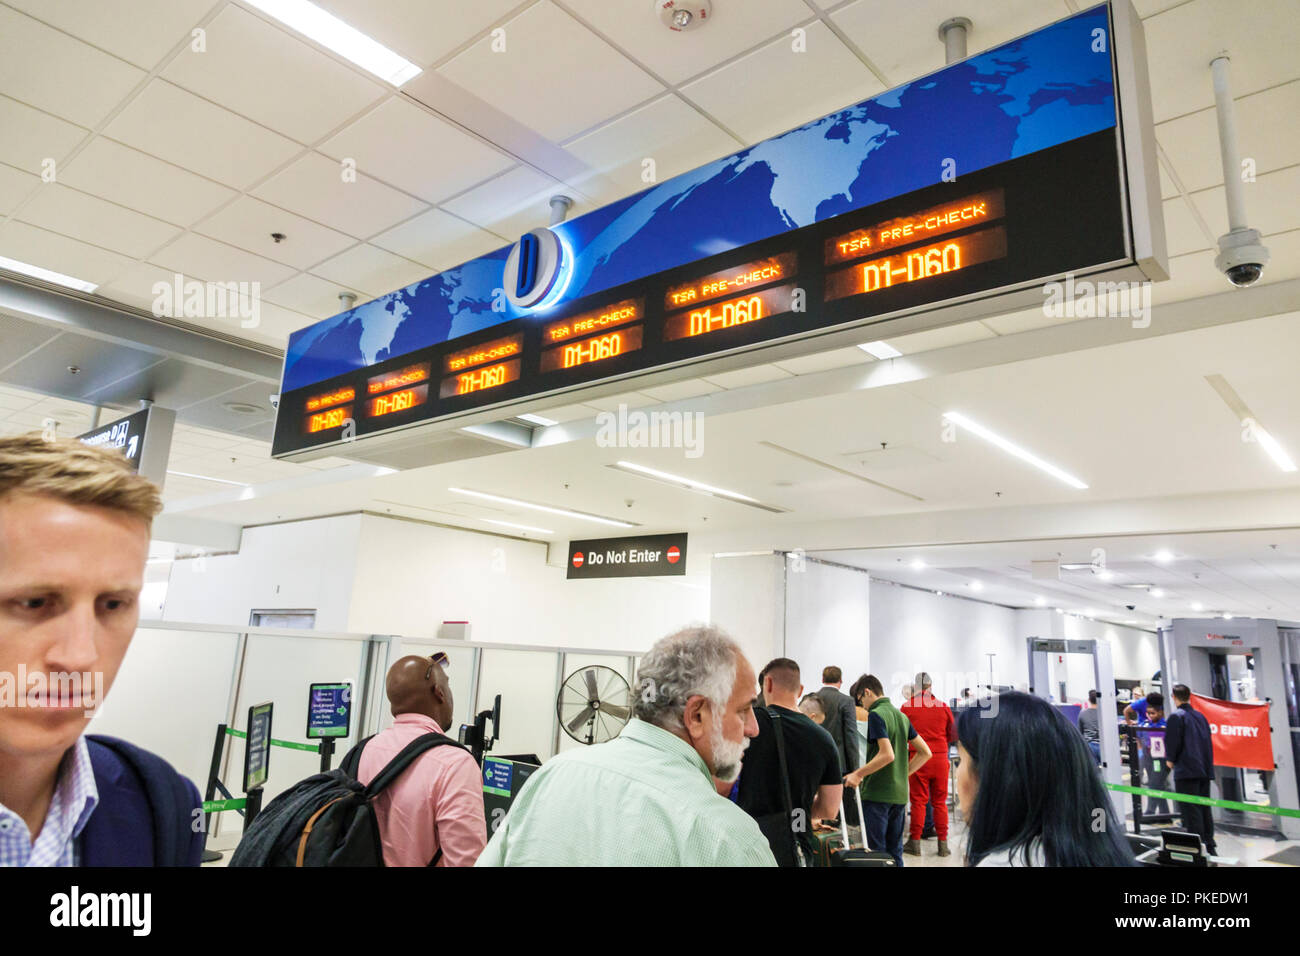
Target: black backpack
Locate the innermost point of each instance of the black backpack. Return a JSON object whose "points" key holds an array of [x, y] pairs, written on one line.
{"points": [[328, 819]]}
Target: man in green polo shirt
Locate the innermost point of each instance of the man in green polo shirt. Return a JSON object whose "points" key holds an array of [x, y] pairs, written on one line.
{"points": [[648, 798], [883, 777]]}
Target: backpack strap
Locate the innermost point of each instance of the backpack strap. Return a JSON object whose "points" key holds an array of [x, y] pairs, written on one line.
{"points": [[404, 759], [352, 761]]}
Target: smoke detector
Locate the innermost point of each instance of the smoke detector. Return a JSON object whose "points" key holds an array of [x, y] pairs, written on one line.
{"points": [[681, 16]]}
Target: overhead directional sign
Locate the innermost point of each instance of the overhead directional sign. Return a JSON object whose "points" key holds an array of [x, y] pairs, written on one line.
{"points": [[144, 437], [955, 196]]}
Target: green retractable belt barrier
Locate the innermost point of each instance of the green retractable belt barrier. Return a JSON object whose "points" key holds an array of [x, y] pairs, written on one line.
{"points": [[288, 744], [216, 806], [1207, 801]]}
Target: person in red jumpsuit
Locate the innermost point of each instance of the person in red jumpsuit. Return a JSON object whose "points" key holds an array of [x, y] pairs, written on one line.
{"points": [[935, 725]]}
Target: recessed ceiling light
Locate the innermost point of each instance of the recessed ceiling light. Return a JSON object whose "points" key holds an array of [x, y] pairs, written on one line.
{"points": [[690, 484], [1227, 616], [1106, 575], [1040, 601], [521, 527], [536, 420], [957, 418], [1197, 606], [1060, 610], [977, 585], [47, 275], [881, 350], [547, 508], [347, 41], [243, 408], [918, 564], [1088, 612], [1164, 556], [1157, 592]]}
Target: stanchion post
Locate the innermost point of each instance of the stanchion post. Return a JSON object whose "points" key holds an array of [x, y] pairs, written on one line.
{"points": [[252, 807], [210, 792], [1134, 775], [326, 752]]}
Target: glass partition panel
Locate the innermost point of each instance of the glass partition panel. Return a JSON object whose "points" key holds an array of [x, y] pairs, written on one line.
{"points": [[460, 675], [280, 669], [606, 683], [526, 682], [170, 694]]}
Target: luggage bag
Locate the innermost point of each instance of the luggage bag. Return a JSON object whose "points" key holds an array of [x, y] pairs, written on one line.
{"points": [[848, 855]]}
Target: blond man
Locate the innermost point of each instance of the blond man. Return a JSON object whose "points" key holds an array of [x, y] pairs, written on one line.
{"points": [[74, 538]]}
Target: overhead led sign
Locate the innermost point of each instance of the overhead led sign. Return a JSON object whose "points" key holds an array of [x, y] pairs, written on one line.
{"points": [[842, 231]]}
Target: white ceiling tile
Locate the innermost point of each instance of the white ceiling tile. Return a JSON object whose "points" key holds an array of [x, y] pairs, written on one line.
{"points": [[408, 147], [198, 257], [677, 55], [135, 286], [836, 358], [1182, 41], [748, 376], [668, 131], [139, 31], [61, 209], [1023, 321], [181, 128], [943, 338], [272, 77], [1272, 203], [309, 295], [314, 187], [680, 391], [630, 399], [274, 324], [910, 46], [40, 247], [775, 88], [512, 203], [31, 137], [421, 31], [1182, 233], [555, 76], [15, 185], [50, 70], [142, 182], [438, 240], [248, 223], [373, 271], [1192, 141], [564, 413]]}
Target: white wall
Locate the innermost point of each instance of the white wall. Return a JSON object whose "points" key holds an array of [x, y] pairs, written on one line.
{"points": [[410, 577], [747, 600], [947, 637], [827, 620], [303, 564]]}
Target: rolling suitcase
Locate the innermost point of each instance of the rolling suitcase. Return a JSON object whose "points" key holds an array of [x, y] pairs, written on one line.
{"points": [[848, 855]]}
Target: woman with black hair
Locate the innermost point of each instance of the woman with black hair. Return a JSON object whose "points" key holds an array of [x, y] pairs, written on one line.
{"points": [[1029, 791]]}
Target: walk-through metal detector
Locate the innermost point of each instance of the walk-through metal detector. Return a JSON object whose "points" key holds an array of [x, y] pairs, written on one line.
{"points": [[1103, 681], [1194, 651]]}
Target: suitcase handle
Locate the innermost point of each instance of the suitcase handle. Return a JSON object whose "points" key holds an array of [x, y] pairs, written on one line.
{"points": [[862, 821]]}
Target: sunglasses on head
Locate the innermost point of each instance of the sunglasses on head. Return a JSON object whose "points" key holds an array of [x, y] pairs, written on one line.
{"points": [[437, 658]]}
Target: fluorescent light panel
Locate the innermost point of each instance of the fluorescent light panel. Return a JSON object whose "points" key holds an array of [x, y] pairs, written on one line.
{"points": [[347, 41], [47, 275], [957, 418], [521, 527], [536, 420], [881, 350], [565, 512], [690, 484], [1275, 451], [220, 481]]}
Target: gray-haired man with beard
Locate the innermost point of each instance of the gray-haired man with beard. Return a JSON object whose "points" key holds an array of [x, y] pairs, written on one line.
{"points": [[647, 798]]}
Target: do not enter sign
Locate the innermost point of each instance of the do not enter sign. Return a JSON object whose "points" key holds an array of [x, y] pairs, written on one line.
{"points": [[643, 556]]}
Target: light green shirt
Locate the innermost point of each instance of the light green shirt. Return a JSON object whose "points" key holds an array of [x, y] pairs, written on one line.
{"points": [[645, 798]]}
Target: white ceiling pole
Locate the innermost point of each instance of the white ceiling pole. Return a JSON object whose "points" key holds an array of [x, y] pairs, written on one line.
{"points": [[953, 34], [347, 300], [1228, 143]]}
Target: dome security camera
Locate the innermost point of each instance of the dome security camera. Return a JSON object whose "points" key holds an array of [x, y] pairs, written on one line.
{"points": [[1242, 257], [274, 400]]}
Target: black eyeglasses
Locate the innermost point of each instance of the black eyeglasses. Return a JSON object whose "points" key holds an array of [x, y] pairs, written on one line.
{"points": [[438, 658]]}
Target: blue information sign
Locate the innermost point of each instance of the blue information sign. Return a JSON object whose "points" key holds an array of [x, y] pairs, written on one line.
{"points": [[329, 710]]}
